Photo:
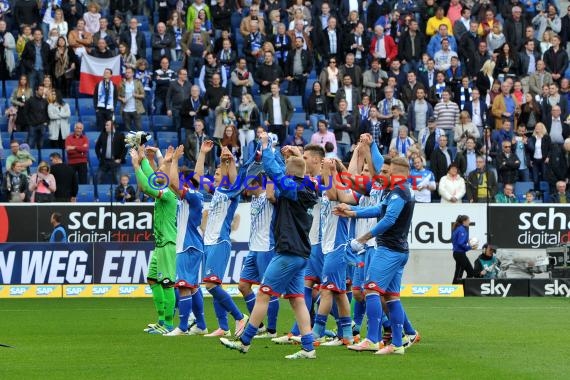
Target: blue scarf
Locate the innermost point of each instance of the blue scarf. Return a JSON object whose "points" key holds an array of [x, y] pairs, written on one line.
{"points": [[402, 146], [101, 96]]}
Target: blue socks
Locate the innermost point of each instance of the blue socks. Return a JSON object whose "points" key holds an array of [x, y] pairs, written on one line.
{"points": [[250, 301], [307, 342], [295, 330], [272, 312], [345, 323], [319, 327], [198, 309], [397, 321], [408, 328], [359, 310], [184, 307], [248, 334], [374, 316], [221, 315], [226, 301]]}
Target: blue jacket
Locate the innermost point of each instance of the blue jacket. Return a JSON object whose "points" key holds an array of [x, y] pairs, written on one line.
{"points": [[460, 239], [58, 235]]}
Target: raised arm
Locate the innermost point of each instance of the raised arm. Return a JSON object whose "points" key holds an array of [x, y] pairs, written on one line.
{"points": [[395, 206], [174, 176], [286, 186]]}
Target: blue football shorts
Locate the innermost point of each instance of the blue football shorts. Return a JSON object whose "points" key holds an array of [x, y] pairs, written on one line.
{"points": [[254, 266], [334, 270], [284, 276], [188, 268], [217, 257], [385, 270], [314, 270]]}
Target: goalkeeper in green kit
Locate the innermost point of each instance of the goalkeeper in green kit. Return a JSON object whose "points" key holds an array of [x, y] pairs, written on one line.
{"points": [[162, 267]]}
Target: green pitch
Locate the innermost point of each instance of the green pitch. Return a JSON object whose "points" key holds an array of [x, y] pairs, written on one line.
{"points": [[470, 338]]}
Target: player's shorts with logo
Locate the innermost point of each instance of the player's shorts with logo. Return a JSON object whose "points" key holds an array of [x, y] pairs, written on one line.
{"points": [[360, 272], [385, 270], [314, 271], [254, 266], [284, 276], [162, 266], [217, 257], [188, 268], [334, 270]]}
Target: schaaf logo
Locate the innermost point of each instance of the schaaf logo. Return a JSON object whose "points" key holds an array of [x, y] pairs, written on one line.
{"points": [[100, 290], [74, 290], [446, 290], [18, 290], [493, 289], [557, 289], [44, 290], [420, 290], [127, 290]]}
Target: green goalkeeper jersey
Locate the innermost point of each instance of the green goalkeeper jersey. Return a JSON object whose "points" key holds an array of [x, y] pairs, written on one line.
{"points": [[165, 205]]}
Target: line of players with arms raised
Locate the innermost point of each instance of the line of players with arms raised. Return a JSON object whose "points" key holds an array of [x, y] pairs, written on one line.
{"points": [[312, 243]]}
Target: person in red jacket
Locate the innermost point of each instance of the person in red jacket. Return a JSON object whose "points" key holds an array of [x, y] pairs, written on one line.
{"points": [[383, 47], [77, 148]]}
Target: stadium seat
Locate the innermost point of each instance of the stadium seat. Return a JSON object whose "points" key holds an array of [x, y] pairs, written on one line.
{"points": [[72, 120], [93, 160], [43, 155], [103, 192], [10, 86], [145, 122], [166, 138], [143, 23], [297, 102], [89, 123], [85, 193], [86, 107], [175, 66], [521, 188], [161, 123], [307, 134], [21, 137], [92, 136], [72, 105], [298, 118]]}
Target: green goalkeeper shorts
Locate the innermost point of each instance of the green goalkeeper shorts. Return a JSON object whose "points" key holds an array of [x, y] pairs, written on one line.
{"points": [[162, 266]]}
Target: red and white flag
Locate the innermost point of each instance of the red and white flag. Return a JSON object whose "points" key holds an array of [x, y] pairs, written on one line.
{"points": [[92, 72]]}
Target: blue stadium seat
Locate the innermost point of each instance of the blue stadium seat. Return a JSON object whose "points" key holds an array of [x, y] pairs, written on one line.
{"points": [[72, 120], [72, 105], [166, 139], [93, 160], [145, 122], [21, 137], [85, 193], [10, 86], [89, 123], [175, 65], [86, 107], [298, 118], [43, 155], [92, 136], [143, 22], [307, 134], [521, 188], [103, 192], [161, 123], [297, 102]]}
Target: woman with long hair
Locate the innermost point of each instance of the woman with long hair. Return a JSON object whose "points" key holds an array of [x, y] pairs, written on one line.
{"points": [[17, 117], [507, 62], [92, 17], [461, 245], [463, 130], [230, 140], [64, 65], [539, 150], [530, 112], [298, 7], [176, 27], [127, 58], [206, 22], [59, 24], [317, 106], [59, 113], [330, 82], [485, 77]]}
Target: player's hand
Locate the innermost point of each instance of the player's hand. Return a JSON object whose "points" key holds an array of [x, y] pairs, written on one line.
{"points": [[356, 246], [343, 210], [179, 152], [366, 138], [134, 158], [169, 154], [226, 154], [288, 151], [264, 140], [207, 146], [150, 152]]}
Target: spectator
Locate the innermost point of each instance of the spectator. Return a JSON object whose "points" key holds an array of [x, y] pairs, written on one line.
{"points": [[428, 138], [15, 183], [208, 70], [64, 63], [42, 185], [556, 59], [411, 47], [562, 195], [466, 159], [163, 77], [402, 142], [176, 28], [58, 22], [505, 106], [193, 11], [224, 118], [298, 66], [554, 98], [102, 50], [35, 59], [195, 44], [118, 26], [539, 151], [487, 265], [317, 106], [373, 80], [373, 126], [345, 129], [481, 183], [125, 192], [59, 113], [485, 78], [297, 139], [507, 163], [127, 58], [441, 159], [26, 13], [80, 40], [7, 62], [278, 110], [496, 38], [436, 91], [299, 30], [530, 112], [111, 151], [77, 148], [65, 178], [507, 196], [253, 43], [464, 130], [58, 235], [145, 77], [105, 99], [227, 57], [435, 22], [528, 65], [515, 27], [452, 186], [92, 17], [443, 32], [443, 56], [222, 15], [242, 82], [134, 39], [214, 95], [349, 93], [461, 244], [230, 140], [246, 22], [131, 96], [328, 42], [194, 140], [177, 92], [419, 112], [248, 119], [266, 74], [193, 108], [163, 44], [447, 114], [329, 79], [423, 181], [323, 135], [110, 37], [520, 149], [25, 36], [37, 117], [17, 100], [557, 128], [529, 197], [409, 90], [21, 153], [558, 164]]}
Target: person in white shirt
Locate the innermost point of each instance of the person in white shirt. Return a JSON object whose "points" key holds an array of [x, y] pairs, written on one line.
{"points": [[443, 57], [422, 181]]}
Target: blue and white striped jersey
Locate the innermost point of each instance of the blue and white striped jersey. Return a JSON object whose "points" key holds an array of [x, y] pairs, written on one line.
{"points": [[221, 211], [188, 219], [261, 237], [334, 229]]}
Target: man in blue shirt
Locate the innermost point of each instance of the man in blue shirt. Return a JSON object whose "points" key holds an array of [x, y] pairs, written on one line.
{"points": [[58, 235]]}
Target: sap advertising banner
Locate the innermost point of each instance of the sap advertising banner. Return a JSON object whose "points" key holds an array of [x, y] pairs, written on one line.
{"points": [[536, 226], [55, 263]]}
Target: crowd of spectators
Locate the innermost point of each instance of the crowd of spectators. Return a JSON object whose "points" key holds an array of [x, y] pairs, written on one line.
{"points": [[474, 93]]}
